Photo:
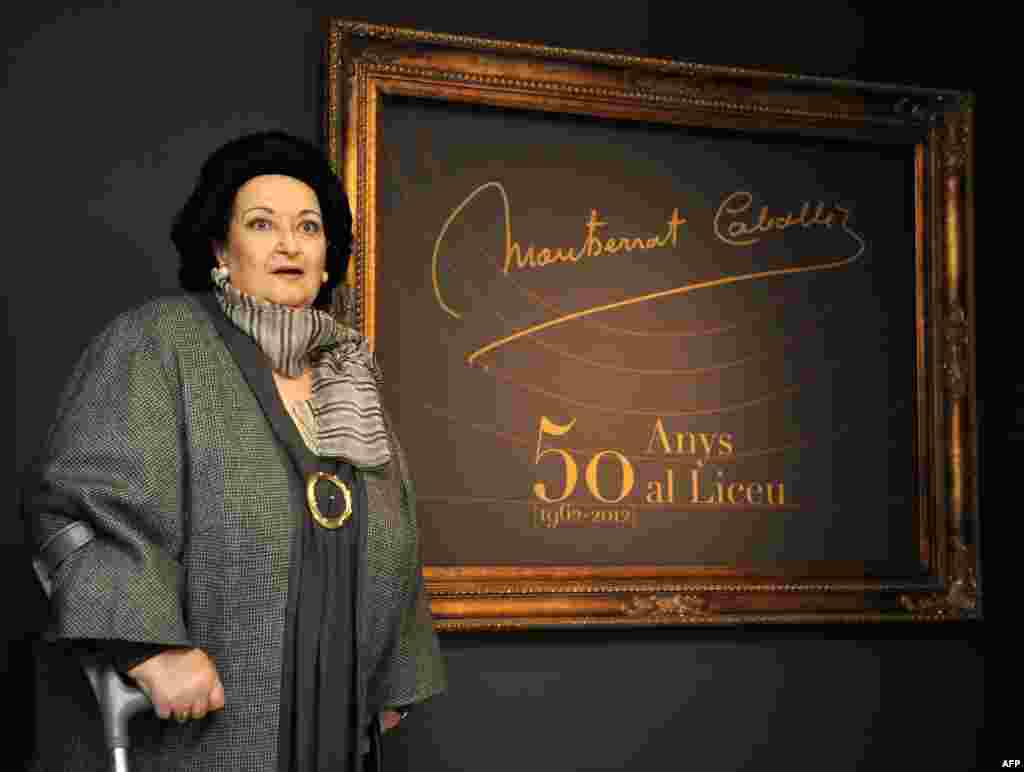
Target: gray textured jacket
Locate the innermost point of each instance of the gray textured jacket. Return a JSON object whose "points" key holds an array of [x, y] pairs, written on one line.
{"points": [[161, 446]]}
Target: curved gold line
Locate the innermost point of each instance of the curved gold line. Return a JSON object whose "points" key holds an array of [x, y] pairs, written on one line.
{"points": [[639, 371], [666, 293], [619, 411], [444, 229], [750, 321], [544, 302]]}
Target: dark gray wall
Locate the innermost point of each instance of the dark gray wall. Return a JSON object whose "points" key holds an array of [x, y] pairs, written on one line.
{"points": [[108, 113]]}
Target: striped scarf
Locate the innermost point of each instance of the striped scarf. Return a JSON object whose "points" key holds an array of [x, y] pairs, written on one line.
{"points": [[345, 401]]}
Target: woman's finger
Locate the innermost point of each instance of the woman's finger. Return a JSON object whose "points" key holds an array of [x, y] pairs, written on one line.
{"points": [[199, 709], [217, 696], [161, 708]]}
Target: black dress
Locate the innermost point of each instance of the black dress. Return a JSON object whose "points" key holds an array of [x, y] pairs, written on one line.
{"points": [[318, 700]]}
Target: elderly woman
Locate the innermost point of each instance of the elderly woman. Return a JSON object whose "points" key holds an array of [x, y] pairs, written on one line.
{"points": [[222, 506]]}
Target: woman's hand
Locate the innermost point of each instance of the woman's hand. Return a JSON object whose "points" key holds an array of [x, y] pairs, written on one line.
{"points": [[389, 719], [180, 682]]}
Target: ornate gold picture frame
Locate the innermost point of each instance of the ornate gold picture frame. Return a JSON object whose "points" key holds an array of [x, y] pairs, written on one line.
{"points": [[388, 85]]}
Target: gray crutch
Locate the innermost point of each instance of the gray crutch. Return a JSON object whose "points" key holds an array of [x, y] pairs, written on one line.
{"points": [[118, 703]]}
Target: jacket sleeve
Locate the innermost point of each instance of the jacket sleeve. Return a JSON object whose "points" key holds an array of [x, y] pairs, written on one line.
{"points": [[114, 461], [417, 670]]}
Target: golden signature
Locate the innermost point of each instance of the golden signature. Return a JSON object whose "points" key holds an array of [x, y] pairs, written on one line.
{"points": [[534, 257], [740, 203], [592, 245], [737, 233]]}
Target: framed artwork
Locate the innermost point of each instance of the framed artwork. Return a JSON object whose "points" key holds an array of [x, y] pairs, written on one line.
{"points": [[665, 343]]}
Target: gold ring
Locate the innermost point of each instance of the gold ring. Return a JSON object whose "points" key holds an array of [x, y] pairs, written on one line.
{"points": [[182, 717], [327, 522]]}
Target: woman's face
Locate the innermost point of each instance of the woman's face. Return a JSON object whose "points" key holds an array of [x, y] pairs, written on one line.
{"points": [[276, 249]]}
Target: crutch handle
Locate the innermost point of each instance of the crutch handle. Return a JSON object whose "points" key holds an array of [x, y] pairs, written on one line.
{"points": [[117, 700]]}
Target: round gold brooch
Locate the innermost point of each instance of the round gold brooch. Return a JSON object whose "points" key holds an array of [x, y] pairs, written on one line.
{"points": [[327, 522]]}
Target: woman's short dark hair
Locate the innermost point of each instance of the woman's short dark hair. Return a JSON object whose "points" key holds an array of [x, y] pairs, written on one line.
{"points": [[203, 220]]}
